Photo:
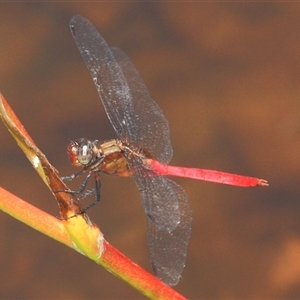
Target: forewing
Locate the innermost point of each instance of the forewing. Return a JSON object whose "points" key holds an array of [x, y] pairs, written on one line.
{"points": [[153, 131], [127, 103], [106, 73]]}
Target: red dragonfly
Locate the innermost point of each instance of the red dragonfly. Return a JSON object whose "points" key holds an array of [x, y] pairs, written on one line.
{"points": [[143, 150]]}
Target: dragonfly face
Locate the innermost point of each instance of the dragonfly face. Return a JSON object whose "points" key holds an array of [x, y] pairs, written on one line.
{"points": [[81, 153]]}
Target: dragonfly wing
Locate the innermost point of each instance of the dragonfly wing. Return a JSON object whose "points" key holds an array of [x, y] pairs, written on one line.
{"points": [[158, 195], [169, 219], [168, 249], [126, 100], [153, 131], [106, 72]]}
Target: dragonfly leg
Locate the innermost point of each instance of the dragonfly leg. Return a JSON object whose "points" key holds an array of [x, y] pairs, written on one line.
{"points": [[96, 190], [73, 176], [86, 194], [82, 187]]}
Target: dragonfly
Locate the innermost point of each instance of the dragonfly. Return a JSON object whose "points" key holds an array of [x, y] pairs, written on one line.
{"points": [[141, 150]]}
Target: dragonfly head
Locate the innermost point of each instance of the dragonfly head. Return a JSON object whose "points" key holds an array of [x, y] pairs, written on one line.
{"points": [[81, 152]]}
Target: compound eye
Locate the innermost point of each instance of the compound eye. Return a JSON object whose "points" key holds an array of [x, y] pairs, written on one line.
{"points": [[73, 154]]}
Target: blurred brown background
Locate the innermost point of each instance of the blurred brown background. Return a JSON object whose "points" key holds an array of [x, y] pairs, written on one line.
{"points": [[227, 76]]}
